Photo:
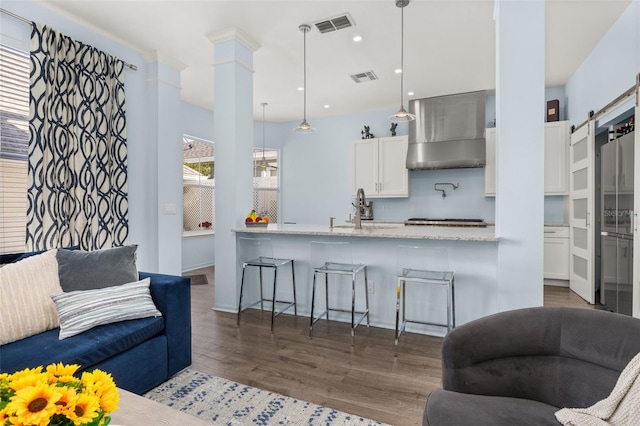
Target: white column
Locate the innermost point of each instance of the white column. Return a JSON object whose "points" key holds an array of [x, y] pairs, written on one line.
{"points": [[165, 156], [520, 81], [233, 139]]}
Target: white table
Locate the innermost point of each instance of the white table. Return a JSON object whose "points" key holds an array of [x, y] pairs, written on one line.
{"points": [[136, 410]]}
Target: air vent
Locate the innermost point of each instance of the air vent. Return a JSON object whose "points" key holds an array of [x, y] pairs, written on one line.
{"points": [[334, 24], [362, 77]]}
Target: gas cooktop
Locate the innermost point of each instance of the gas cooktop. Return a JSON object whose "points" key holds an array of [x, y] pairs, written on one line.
{"points": [[445, 222]]}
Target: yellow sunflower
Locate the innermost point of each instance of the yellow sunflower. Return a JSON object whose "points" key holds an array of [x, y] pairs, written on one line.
{"points": [[84, 409], [66, 401], [102, 385], [58, 371], [26, 378], [34, 405]]}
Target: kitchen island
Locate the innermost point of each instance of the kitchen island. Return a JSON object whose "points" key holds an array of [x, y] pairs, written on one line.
{"points": [[473, 254], [382, 230]]}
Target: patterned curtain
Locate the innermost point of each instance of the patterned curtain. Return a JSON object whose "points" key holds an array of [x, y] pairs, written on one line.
{"points": [[77, 188]]}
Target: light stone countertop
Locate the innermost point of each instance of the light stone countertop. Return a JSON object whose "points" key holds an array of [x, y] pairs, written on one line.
{"points": [[381, 230]]}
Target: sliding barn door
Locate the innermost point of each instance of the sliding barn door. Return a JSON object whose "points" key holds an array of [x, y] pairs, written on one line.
{"points": [[581, 212]]}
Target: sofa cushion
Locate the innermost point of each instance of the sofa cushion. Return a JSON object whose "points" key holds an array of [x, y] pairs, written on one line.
{"points": [[82, 310], [446, 408], [26, 286], [88, 270], [86, 349]]}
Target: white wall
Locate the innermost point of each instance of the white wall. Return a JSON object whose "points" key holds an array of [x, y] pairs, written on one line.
{"points": [[316, 174], [609, 70], [197, 251]]}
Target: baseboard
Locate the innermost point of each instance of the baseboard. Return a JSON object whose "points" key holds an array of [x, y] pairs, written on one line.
{"points": [[556, 283], [193, 268]]}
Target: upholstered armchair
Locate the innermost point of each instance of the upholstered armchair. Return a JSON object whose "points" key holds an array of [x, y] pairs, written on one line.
{"points": [[520, 367]]}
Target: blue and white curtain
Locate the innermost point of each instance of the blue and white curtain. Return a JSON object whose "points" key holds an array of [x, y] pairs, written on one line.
{"points": [[77, 186]]}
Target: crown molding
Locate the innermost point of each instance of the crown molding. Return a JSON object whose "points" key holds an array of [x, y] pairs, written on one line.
{"points": [[234, 33], [156, 56]]}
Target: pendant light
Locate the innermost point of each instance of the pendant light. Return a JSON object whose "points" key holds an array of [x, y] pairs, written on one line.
{"points": [[264, 164], [304, 127], [402, 114]]}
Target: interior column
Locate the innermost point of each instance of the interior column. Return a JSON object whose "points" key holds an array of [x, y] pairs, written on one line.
{"points": [[520, 109], [165, 156], [233, 139]]}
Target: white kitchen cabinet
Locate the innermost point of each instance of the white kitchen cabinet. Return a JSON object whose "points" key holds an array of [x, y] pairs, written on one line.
{"points": [[556, 159], [556, 252], [490, 166], [379, 167]]}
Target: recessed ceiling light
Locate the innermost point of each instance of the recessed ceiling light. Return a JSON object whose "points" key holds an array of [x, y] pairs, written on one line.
{"points": [[398, 71], [326, 106], [410, 93], [301, 88], [357, 38]]}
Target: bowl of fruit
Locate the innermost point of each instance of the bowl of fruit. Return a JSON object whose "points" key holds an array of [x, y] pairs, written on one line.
{"points": [[253, 220]]}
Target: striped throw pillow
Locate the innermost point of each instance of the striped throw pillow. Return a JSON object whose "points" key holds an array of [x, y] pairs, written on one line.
{"points": [[25, 306], [82, 310]]}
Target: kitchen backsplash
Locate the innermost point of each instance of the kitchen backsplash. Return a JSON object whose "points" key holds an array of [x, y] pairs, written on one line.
{"points": [[467, 201]]}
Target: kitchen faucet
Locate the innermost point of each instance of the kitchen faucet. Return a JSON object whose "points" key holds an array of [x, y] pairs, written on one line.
{"points": [[360, 202]]}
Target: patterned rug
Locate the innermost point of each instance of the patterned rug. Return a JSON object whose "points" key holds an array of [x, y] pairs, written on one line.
{"points": [[224, 402]]}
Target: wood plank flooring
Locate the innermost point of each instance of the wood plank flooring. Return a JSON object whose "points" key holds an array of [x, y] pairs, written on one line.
{"points": [[366, 380]]}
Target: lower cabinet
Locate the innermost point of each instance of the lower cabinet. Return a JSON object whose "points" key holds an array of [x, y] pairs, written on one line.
{"points": [[556, 252]]}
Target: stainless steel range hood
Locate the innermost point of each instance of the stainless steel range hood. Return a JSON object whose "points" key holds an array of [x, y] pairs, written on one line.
{"points": [[448, 132]]}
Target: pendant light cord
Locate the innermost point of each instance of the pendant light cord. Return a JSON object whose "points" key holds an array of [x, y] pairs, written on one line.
{"points": [[305, 73], [402, 57], [264, 104]]}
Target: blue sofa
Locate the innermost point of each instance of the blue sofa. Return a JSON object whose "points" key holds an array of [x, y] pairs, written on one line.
{"points": [[140, 354]]}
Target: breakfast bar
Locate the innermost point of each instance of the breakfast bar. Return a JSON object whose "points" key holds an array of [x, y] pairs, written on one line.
{"points": [[473, 254]]}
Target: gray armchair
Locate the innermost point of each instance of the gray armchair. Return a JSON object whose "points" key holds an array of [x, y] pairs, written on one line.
{"points": [[520, 367]]}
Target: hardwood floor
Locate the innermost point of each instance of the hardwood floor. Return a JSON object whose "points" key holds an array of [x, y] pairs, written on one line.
{"points": [[366, 380]]}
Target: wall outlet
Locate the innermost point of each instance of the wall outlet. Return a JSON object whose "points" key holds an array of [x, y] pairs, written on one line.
{"points": [[370, 286]]}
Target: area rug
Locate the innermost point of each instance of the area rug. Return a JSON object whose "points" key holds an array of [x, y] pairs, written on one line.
{"points": [[224, 402]]}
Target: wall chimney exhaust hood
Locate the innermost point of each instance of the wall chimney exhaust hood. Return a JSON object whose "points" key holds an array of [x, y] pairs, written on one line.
{"points": [[448, 132]]}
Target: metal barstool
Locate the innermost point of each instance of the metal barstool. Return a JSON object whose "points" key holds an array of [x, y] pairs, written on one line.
{"points": [[335, 258], [423, 266], [258, 252]]}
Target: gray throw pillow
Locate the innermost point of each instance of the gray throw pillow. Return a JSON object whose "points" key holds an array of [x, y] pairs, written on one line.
{"points": [[90, 270]]}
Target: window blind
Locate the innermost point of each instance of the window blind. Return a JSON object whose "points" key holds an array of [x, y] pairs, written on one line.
{"points": [[14, 145]]}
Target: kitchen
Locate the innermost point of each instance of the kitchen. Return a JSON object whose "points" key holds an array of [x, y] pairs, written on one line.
{"points": [[316, 185], [429, 192]]}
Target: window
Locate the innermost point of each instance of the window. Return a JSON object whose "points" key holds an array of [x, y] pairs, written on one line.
{"points": [[265, 184], [198, 186], [14, 146]]}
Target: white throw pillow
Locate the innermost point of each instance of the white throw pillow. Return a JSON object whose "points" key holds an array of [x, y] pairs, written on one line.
{"points": [[25, 289], [82, 310]]}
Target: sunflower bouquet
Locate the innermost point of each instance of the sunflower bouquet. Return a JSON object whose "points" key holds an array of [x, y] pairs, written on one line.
{"points": [[55, 397]]}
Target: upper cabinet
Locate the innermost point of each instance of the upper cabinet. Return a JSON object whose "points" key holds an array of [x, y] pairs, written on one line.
{"points": [[556, 159], [379, 167], [490, 166]]}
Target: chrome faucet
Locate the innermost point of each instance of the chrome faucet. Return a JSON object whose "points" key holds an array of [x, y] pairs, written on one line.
{"points": [[360, 202]]}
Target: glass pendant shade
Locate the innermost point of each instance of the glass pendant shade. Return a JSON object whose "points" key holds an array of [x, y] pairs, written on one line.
{"points": [[304, 127], [402, 115]]}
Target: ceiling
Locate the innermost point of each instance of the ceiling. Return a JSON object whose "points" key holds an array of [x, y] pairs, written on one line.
{"points": [[449, 46]]}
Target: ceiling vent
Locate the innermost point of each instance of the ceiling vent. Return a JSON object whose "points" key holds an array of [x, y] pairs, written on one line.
{"points": [[334, 24], [362, 77]]}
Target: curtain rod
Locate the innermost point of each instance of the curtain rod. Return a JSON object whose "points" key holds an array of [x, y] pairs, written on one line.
{"points": [[13, 15]]}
